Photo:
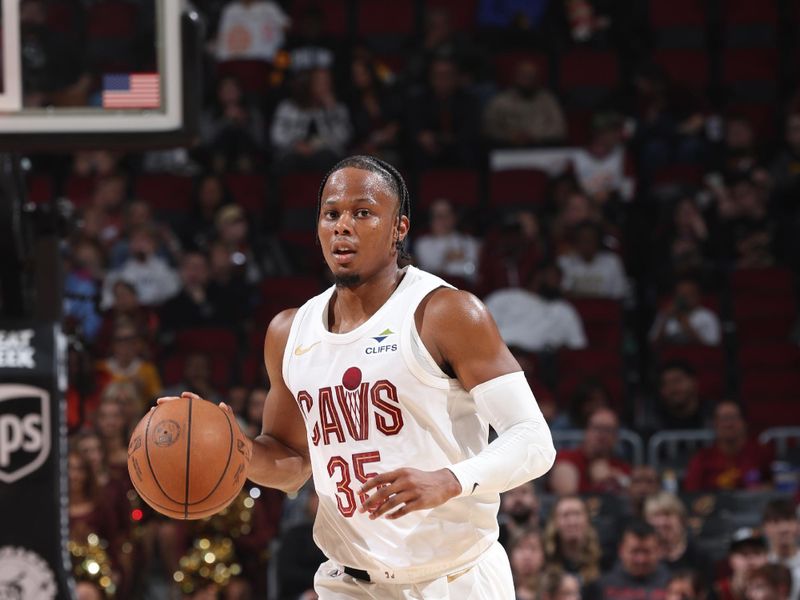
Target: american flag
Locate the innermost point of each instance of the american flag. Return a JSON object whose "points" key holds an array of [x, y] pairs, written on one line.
{"points": [[131, 90]]}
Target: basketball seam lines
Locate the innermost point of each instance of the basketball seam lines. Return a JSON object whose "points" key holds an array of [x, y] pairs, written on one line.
{"points": [[188, 456], [224, 471]]}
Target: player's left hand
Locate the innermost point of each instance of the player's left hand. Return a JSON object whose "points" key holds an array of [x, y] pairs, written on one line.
{"points": [[411, 488]]}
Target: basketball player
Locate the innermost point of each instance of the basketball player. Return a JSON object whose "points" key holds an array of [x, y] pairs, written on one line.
{"points": [[383, 388]]}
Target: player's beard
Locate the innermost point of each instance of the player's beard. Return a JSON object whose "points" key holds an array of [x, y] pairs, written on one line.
{"points": [[349, 280]]}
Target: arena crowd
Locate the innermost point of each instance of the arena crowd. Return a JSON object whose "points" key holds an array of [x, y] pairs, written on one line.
{"points": [[618, 180]]}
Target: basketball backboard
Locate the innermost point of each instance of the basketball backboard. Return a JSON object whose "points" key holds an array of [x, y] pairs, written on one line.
{"points": [[111, 73]]}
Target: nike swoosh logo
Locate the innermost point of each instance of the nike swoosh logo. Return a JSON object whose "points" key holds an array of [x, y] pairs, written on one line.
{"points": [[299, 351]]}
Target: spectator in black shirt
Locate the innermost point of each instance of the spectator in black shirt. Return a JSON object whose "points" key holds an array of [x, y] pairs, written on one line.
{"points": [[193, 306], [667, 514], [679, 404], [445, 120], [639, 575]]}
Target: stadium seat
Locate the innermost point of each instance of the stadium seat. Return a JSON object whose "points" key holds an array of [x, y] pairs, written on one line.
{"points": [[748, 23], [505, 63], [111, 36], [253, 373], [165, 193], [252, 75], [749, 74], [579, 125], [249, 190], [62, 16], [279, 293], [463, 13], [602, 321], [776, 385], [763, 318], [386, 26], [524, 187], [297, 194], [768, 281], [376, 17], [456, 185], [40, 189], [688, 68], [211, 340], [79, 189], [764, 412], [335, 15], [769, 356], [672, 13], [601, 364], [586, 77], [112, 19]]}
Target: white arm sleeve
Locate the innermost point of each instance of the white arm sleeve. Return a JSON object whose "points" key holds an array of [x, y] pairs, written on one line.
{"points": [[524, 447]]}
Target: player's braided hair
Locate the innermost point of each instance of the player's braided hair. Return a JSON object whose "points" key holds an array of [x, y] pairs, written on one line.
{"points": [[391, 176]]}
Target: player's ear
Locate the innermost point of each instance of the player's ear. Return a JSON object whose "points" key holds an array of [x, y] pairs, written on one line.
{"points": [[401, 231]]}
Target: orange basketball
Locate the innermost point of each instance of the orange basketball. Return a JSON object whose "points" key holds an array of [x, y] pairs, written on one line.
{"points": [[188, 459]]}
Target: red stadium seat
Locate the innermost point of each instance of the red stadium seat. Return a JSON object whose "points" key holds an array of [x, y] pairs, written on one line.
{"points": [[747, 23], [770, 356], [62, 16], [376, 17], [589, 361], [588, 76], [249, 190], [672, 13], [164, 192], [211, 340], [602, 321], [769, 281], [110, 19], [79, 189], [701, 357], [526, 187], [40, 189], [764, 412], [280, 293], [679, 173], [334, 15], [678, 24], [776, 385], [686, 67], [299, 190], [253, 373], [749, 64], [579, 125], [459, 186], [505, 63], [463, 13], [252, 75]]}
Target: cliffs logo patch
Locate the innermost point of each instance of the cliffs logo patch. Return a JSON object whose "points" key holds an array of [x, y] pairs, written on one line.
{"points": [[24, 574], [383, 335], [24, 430], [382, 348]]}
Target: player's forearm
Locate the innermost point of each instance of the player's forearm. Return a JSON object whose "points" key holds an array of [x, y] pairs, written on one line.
{"points": [[524, 447], [276, 465], [519, 454]]}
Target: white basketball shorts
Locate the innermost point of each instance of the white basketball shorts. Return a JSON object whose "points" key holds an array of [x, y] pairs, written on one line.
{"points": [[489, 579]]}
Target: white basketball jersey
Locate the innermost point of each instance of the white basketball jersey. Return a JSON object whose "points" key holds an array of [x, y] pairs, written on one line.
{"points": [[374, 400]]}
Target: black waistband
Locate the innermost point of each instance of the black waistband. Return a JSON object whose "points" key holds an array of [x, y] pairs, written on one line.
{"points": [[358, 574]]}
